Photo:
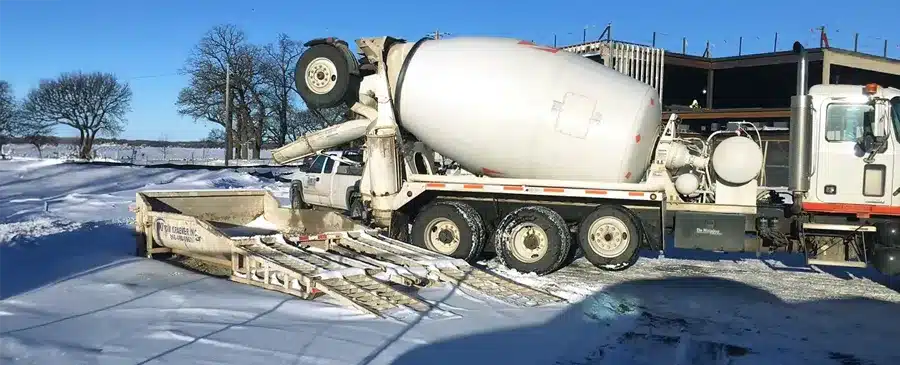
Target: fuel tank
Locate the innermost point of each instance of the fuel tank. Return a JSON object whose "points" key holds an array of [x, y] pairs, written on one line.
{"points": [[509, 108]]}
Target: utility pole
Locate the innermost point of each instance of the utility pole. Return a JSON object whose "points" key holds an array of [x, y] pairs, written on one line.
{"points": [[228, 122], [437, 34]]}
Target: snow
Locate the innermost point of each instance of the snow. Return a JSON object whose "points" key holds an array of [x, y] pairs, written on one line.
{"points": [[71, 292], [139, 155]]}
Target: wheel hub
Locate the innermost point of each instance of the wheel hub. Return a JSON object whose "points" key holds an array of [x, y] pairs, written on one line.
{"points": [[608, 237], [442, 235], [321, 74], [529, 243]]}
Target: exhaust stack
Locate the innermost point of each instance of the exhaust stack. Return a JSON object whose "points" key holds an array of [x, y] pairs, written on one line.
{"points": [[800, 160]]}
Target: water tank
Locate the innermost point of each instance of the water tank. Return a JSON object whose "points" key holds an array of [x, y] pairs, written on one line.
{"points": [[506, 108]]}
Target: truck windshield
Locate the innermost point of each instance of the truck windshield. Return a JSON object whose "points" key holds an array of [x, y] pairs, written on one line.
{"points": [[895, 116]]}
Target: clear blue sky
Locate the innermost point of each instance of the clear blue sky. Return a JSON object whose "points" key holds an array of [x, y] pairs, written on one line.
{"points": [[139, 39]]}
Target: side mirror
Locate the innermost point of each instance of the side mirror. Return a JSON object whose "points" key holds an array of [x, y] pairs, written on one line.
{"points": [[867, 143], [879, 112]]}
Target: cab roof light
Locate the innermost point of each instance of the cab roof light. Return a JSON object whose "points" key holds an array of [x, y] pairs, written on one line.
{"points": [[871, 89]]}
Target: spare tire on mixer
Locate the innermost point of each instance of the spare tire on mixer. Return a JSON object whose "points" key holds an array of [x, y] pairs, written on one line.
{"points": [[323, 78]]}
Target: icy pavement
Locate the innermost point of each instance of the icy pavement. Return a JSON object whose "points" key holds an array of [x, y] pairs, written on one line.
{"points": [[72, 293]]}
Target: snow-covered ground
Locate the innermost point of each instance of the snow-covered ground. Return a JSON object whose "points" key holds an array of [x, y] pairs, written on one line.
{"points": [[138, 155], [71, 292]]}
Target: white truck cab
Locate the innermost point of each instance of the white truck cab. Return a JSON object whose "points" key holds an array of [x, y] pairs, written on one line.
{"points": [[331, 180], [856, 150]]}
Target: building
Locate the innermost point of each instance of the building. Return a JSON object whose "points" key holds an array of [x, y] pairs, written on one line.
{"points": [[756, 88]]}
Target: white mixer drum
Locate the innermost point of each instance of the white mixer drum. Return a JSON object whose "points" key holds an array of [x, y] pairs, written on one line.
{"points": [[507, 108], [737, 160]]}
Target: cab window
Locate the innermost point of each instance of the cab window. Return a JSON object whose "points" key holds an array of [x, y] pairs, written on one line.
{"points": [[316, 166], [846, 122], [329, 165], [895, 116]]}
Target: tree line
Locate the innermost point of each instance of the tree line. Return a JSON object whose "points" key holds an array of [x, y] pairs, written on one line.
{"points": [[92, 103], [265, 108]]}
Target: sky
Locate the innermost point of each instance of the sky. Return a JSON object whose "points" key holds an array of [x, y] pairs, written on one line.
{"points": [[146, 42]]}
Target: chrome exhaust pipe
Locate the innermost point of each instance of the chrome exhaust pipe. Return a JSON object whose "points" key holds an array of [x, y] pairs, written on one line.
{"points": [[800, 155]]}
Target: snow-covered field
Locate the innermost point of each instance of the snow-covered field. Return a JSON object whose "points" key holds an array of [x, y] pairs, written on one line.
{"points": [[71, 292], [143, 155]]}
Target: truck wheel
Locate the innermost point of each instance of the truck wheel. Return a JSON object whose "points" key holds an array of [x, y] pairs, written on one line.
{"points": [[323, 78], [356, 210], [450, 228], [533, 239], [610, 238], [297, 202]]}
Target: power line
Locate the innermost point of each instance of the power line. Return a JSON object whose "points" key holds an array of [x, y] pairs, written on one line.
{"points": [[157, 76]]}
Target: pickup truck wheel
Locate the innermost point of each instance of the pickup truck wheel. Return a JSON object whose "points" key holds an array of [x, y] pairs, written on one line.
{"points": [[297, 202], [450, 228], [533, 239], [610, 238]]}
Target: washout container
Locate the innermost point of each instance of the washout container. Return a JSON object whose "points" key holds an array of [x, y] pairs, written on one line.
{"points": [[307, 253]]}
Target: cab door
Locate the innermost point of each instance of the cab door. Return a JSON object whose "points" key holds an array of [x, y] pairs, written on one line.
{"points": [[843, 176], [326, 183], [894, 137], [310, 181]]}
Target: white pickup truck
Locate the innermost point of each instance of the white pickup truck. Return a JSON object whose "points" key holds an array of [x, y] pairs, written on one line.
{"points": [[331, 180]]}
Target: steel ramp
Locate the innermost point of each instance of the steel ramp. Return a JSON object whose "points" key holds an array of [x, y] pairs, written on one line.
{"points": [[304, 274], [389, 253]]}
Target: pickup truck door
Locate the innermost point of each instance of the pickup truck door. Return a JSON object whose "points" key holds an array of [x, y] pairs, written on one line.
{"points": [[326, 183], [345, 176], [312, 181]]}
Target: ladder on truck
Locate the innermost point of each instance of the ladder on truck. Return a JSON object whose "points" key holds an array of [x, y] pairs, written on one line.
{"points": [[355, 267]]}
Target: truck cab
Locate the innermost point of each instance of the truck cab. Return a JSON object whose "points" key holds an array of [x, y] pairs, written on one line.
{"points": [[330, 180], [856, 151]]}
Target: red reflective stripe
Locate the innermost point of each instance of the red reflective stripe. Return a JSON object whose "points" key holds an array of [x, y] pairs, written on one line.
{"points": [[860, 209]]}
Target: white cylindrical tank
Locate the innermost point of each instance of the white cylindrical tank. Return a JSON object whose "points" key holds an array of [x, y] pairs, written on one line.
{"points": [[737, 160], [507, 108]]}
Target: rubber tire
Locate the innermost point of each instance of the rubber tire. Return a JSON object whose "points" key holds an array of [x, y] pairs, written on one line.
{"points": [[559, 248], [471, 231], [628, 257], [399, 229], [297, 202], [356, 204], [345, 81]]}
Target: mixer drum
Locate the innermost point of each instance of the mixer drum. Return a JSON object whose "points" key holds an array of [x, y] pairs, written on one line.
{"points": [[507, 108]]}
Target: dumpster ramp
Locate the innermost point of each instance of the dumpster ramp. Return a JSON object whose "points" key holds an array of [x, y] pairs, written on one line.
{"points": [[308, 253]]}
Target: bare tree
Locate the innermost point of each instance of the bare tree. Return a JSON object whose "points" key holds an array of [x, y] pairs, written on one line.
{"points": [[253, 99], [92, 103], [216, 52], [304, 121], [215, 136], [164, 146], [39, 141], [9, 112], [280, 58]]}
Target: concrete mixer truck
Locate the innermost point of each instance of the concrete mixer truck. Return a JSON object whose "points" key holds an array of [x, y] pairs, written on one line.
{"points": [[568, 155]]}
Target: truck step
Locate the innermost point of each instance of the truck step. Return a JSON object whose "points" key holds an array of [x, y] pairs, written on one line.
{"points": [[389, 253], [302, 273]]}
